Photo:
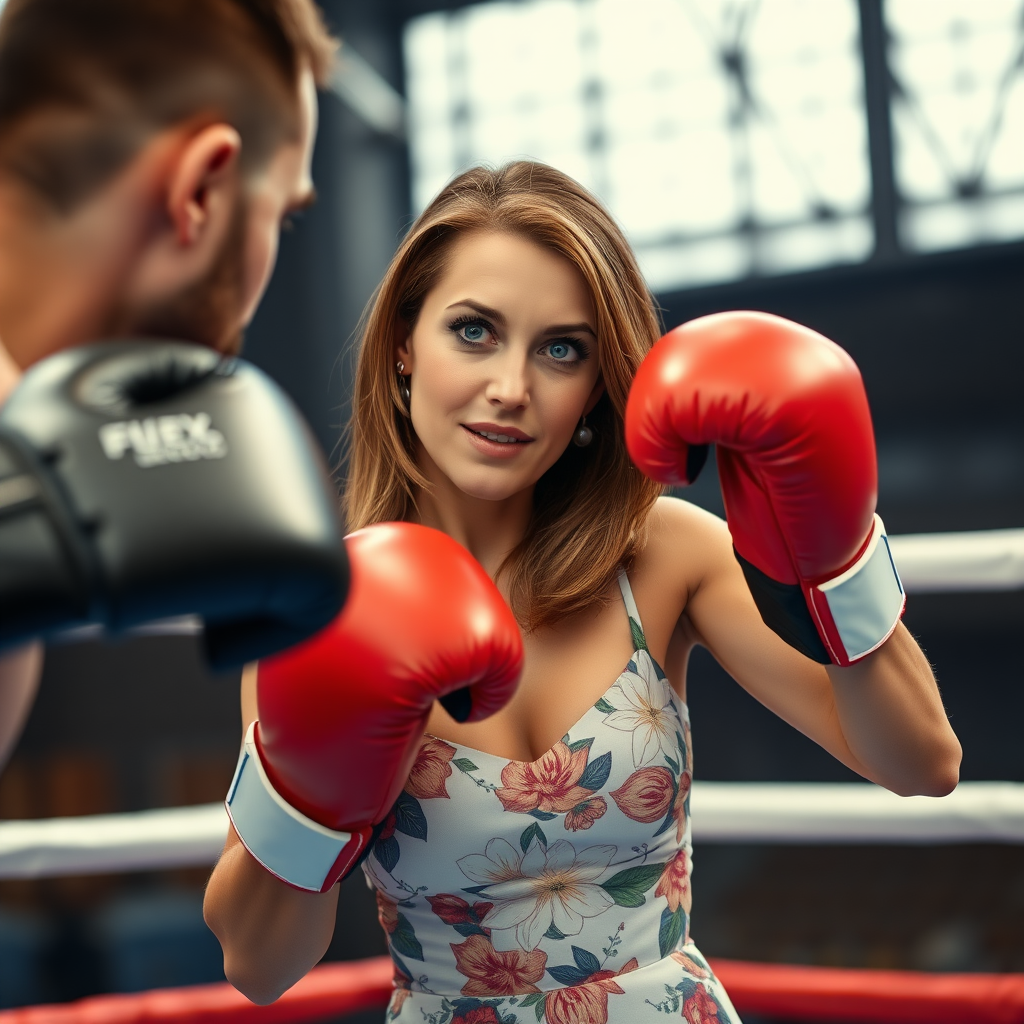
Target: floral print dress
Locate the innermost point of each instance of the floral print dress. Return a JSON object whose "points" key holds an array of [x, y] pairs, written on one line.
{"points": [[556, 890]]}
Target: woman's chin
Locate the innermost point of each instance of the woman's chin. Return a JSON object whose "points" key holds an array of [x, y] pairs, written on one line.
{"points": [[493, 488]]}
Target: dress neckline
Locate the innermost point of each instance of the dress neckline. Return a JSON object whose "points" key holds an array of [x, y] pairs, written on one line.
{"points": [[672, 695], [640, 645]]}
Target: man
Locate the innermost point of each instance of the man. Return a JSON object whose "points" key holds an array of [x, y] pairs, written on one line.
{"points": [[149, 152]]}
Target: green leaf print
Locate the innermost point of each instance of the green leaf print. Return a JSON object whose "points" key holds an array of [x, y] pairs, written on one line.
{"points": [[553, 933], [542, 815], [596, 773], [639, 643], [577, 744], [464, 764], [671, 929], [409, 817], [530, 833], [627, 888], [604, 707], [536, 1000], [403, 939]]}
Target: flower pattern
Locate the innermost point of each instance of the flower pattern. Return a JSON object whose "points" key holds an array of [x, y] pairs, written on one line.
{"points": [[497, 879], [674, 883], [552, 887], [646, 795], [493, 973], [642, 708], [585, 813], [431, 770], [586, 1002], [554, 783]]}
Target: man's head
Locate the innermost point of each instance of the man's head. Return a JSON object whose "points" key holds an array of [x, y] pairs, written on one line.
{"points": [[149, 150]]}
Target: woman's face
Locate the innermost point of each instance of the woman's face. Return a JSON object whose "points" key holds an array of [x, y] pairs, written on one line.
{"points": [[503, 362]]}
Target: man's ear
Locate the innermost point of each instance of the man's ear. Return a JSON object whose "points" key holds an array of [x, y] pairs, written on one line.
{"points": [[203, 182], [595, 396]]}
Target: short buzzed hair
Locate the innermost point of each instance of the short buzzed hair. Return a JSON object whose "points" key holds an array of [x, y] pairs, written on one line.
{"points": [[85, 83]]}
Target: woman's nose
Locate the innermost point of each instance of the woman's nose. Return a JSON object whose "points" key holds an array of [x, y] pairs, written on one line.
{"points": [[509, 386]]}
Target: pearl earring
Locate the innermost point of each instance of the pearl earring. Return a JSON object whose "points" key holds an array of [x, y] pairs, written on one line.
{"points": [[584, 435], [403, 382]]}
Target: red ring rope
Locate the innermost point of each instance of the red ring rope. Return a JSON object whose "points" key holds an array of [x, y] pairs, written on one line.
{"points": [[775, 990]]}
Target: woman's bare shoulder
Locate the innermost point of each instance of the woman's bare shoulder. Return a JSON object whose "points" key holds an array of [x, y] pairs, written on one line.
{"points": [[675, 525], [684, 542]]}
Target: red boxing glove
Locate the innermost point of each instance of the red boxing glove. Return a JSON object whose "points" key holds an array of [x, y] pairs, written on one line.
{"points": [[796, 458], [341, 716]]}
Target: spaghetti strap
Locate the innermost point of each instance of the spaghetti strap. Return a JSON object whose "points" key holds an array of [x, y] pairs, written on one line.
{"points": [[635, 625]]}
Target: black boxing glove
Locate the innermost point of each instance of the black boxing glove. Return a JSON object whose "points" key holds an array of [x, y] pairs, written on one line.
{"points": [[149, 479]]}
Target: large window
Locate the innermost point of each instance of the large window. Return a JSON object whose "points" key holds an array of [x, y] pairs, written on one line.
{"points": [[730, 138], [958, 120]]}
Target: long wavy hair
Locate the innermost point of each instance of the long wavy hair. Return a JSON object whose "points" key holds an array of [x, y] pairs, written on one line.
{"points": [[590, 508]]}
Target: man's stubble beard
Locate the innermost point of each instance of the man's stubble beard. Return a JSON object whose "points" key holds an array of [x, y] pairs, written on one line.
{"points": [[206, 312]]}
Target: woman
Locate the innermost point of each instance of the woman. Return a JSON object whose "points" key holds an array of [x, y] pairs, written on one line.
{"points": [[537, 865]]}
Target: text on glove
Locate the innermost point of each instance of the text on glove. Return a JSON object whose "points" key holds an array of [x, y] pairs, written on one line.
{"points": [[158, 440]]}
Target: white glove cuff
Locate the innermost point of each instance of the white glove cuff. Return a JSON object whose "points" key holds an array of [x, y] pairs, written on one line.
{"points": [[857, 611], [294, 848]]}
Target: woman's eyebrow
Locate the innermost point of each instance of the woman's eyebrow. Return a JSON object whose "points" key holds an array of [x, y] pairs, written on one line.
{"points": [[571, 329], [487, 311]]}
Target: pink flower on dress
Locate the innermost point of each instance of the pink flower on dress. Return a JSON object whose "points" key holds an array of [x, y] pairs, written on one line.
{"points": [[674, 883], [387, 912], [679, 805], [584, 814], [455, 910], [547, 784], [586, 1003], [646, 795], [690, 965], [497, 973], [398, 998], [700, 1008], [431, 770], [480, 1015]]}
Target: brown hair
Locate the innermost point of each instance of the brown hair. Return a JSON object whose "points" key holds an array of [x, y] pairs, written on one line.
{"points": [[84, 83], [591, 507]]}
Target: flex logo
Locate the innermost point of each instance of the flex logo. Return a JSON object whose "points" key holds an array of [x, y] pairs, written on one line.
{"points": [[158, 440]]}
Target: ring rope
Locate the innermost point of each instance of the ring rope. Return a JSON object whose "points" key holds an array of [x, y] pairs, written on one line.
{"points": [[957, 562], [776, 990], [928, 563], [978, 812]]}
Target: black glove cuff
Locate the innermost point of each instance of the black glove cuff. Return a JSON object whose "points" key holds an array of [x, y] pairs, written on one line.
{"points": [[785, 611]]}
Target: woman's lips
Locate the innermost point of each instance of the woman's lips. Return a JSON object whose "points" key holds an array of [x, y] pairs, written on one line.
{"points": [[498, 432], [493, 446]]}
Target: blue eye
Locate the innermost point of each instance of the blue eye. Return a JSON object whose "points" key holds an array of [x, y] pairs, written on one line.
{"points": [[471, 330], [565, 350]]}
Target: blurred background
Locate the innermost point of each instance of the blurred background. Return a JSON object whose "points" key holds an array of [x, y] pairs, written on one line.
{"points": [[855, 165]]}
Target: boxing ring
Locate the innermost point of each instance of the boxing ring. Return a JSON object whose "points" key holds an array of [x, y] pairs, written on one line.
{"points": [[983, 812]]}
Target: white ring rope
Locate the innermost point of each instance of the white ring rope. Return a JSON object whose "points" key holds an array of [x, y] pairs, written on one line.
{"points": [[980, 812], [927, 562], [723, 812], [955, 562]]}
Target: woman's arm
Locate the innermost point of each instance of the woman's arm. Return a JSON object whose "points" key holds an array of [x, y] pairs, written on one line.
{"points": [[20, 670], [882, 717], [271, 934]]}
